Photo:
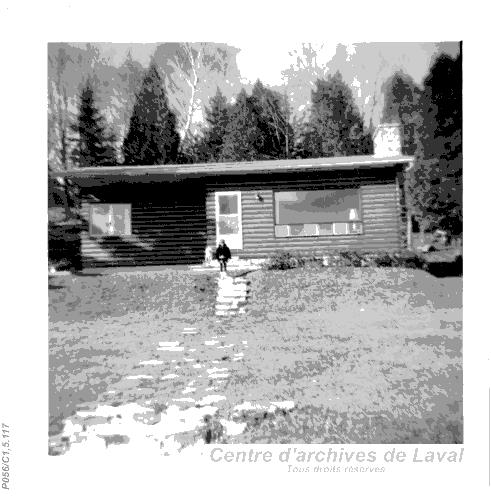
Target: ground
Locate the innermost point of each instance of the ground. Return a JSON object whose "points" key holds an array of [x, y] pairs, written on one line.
{"points": [[356, 355]]}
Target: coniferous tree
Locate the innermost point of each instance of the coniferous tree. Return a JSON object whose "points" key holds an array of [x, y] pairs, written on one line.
{"points": [[243, 138], [401, 105], [335, 126], [94, 144], [193, 148], [217, 118], [257, 127], [152, 137], [435, 183]]}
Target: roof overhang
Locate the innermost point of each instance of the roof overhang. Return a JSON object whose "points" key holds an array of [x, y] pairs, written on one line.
{"points": [[177, 172]]}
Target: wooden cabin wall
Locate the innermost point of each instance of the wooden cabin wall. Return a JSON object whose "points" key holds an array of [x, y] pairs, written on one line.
{"points": [[168, 225], [173, 222], [383, 227]]}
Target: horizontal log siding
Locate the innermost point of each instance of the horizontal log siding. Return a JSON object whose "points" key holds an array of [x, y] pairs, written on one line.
{"points": [[168, 225], [380, 211], [173, 222]]}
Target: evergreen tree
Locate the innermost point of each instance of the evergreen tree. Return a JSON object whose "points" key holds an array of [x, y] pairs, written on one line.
{"points": [[217, 118], [401, 105], [435, 183], [152, 137], [194, 149], [257, 127], [243, 139], [94, 144], [335, 126]]}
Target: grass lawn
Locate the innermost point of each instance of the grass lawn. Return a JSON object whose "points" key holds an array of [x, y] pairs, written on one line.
{"points": [[367, 355]]}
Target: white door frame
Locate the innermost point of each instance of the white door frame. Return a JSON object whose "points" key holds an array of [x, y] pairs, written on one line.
{"points": [[236, 242]]}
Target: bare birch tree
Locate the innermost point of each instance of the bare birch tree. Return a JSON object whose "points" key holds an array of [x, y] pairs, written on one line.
{"points": [[192, 72]]}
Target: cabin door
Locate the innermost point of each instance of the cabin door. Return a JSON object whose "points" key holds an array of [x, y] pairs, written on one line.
{"points": [[229, 218]]}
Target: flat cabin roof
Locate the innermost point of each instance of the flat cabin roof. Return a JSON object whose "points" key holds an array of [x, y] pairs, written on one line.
{"points": [[236, 168]]}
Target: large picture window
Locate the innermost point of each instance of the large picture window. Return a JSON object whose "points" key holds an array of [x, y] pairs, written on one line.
{"points": [[109, 219], [327, 212]]}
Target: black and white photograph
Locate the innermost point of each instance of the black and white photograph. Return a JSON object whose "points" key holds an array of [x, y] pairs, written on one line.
{"points": [[246, 258], [233, 251]]}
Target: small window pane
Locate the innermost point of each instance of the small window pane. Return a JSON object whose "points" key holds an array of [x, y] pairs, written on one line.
{"points": [[228, 225], [227, 204], [325, 229], [340, 228], [355, 228], [110, 220], [296, 229], [119, 224], [303, 229], [310, 229], [99, 218], [281, 231]]}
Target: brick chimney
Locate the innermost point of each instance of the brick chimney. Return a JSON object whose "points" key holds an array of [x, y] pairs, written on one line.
{"points": [[387, 140]]}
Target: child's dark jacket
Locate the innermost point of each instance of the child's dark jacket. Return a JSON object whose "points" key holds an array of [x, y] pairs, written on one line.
{"points": [[223, 253]]}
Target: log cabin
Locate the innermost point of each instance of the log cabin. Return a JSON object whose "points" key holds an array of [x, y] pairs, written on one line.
{"points": [[170, 214]]}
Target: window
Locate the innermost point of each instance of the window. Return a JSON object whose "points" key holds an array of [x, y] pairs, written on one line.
{"points": [[328, 212], [108, 219]]}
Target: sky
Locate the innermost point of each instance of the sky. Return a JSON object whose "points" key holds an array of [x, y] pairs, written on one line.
{"points": [[254, 60], [267, 61]]}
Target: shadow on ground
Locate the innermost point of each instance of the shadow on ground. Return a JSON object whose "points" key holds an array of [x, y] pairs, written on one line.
{"points": [[445, 269]]}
